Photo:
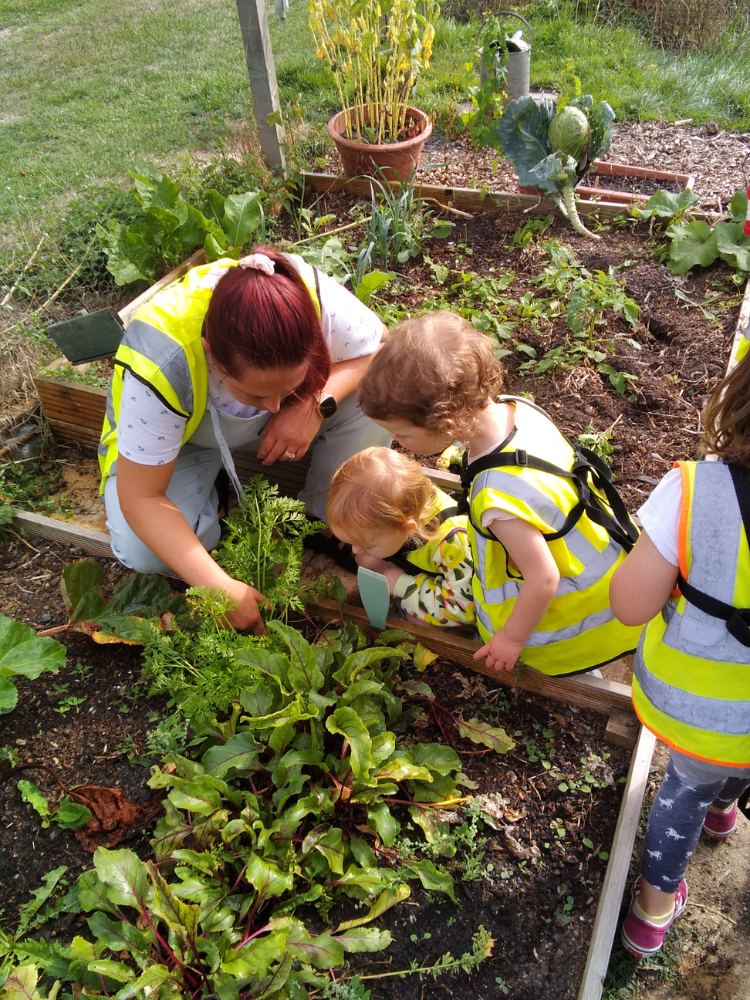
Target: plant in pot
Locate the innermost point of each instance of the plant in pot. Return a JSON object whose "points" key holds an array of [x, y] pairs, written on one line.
{"points": [[552, 150], [375, 51]]}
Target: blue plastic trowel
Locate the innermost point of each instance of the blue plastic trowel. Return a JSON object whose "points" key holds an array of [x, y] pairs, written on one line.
{"points": [[375, 594]]}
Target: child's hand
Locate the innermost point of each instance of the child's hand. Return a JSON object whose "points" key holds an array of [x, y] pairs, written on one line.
{"points": [[501, 651]]}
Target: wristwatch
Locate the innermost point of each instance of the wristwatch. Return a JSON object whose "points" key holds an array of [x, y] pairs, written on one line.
{"points": [[327, 406]]}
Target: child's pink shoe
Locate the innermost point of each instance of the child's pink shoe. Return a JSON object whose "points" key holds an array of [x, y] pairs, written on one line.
{"points": [[720, 825], [642, 938]]}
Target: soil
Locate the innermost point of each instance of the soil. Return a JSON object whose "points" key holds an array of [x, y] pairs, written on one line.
{"points": [[519, 900]]}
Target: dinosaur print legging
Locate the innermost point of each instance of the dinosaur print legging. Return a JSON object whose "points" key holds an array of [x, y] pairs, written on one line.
{"points": [[675, 822]]}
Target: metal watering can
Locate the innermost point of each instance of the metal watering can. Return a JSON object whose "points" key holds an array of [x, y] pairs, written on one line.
{"points": [[517, 59]]}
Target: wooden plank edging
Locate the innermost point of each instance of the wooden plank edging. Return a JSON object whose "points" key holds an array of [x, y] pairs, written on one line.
{"points": [[90, 540], [470, 199], [615, 879]]}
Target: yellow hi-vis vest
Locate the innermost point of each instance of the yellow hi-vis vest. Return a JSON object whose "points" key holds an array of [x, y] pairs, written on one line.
{"points": [[691, 675], [421, 559], [579, 630], [162, 348]]}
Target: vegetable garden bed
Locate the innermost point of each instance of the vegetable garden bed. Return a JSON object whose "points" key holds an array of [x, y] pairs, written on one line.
{"points": [[533, 884], [636, 389]]}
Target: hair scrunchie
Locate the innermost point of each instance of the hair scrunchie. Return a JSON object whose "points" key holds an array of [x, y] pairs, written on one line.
{"points": [[258, 262]]}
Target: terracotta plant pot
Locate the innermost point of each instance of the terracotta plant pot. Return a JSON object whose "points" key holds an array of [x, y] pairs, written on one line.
{"points": [[596, 191], [396, 160]]}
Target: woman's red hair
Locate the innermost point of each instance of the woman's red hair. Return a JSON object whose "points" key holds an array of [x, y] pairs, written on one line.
{"points": [[267, 321]]}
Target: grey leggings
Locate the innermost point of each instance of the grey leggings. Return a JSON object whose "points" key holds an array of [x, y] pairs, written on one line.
{"points": [[675, 822]]}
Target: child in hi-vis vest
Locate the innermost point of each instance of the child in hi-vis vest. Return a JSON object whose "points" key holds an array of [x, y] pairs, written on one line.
{"points": [[401, 525], [691, 673], [547, 529]]}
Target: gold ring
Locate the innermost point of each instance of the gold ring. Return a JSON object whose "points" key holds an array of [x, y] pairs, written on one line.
{"points": [[290, 455]]}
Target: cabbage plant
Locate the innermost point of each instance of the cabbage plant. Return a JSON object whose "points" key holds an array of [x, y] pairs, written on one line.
{"points": [[552, 150]]}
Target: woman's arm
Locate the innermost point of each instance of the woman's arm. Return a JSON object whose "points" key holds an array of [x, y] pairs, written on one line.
{"points": [[641, 584], [530, 552], [293, 428], [161, 526]]}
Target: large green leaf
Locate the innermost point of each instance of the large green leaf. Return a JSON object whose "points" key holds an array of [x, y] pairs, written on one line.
{"points": [[124, 875], [666, 204], [523, 132], [693, 244], [181, 918], [489, 736], [8, 695], [379, 816], [23, 652], [733, 245], [266, 878], [328, 841], [359, 939], [387, 899], [130, 250], [242, 214], [399, 769], [356, 662], [431, 878], [348, 724], [602, 121], [81, 586], [303, 671], [553, 172], [436, 757], [239, 752], [738, 206], [117, 935], [323, 951]]}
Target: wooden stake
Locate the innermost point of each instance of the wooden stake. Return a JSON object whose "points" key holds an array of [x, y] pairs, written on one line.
{"points": [[262, 72]]}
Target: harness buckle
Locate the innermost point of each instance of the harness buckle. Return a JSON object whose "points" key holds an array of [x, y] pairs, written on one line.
{"points": [[522, 458]]}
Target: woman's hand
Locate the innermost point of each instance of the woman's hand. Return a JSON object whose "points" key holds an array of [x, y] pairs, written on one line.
{"points": [[246, 614], [501, 651], [289, 433]]}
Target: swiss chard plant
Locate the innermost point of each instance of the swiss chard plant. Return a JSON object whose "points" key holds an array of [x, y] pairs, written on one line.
{"points": [[170, 228], [24, 654], [552, 149]]}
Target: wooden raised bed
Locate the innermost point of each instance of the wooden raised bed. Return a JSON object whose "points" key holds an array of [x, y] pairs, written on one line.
{"points": [[75, 413]]}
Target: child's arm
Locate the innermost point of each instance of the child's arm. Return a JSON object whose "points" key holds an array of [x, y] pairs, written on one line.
{"points": [[528, 549], [443, 599], [641, 584]]}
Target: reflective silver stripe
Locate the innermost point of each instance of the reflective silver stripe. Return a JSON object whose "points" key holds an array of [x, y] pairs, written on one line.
{"points": [[167, 354], [715, 534], [484, 617], [730, 718], [572, 631], [507, 482], [547, 638], [595, 566]]}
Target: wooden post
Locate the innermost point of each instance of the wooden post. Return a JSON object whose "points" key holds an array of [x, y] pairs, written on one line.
{"points": [[262, 72]]}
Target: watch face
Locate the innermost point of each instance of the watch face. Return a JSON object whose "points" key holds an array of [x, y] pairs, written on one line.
{"points": [[327, 407]]}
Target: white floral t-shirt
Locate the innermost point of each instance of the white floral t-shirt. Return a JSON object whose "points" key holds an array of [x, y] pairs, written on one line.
{"points": [[149, 433]]}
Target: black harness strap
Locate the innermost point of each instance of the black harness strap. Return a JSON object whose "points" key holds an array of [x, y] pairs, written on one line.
{"points": [[400, 558], [737, 619], [587, 468]]}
